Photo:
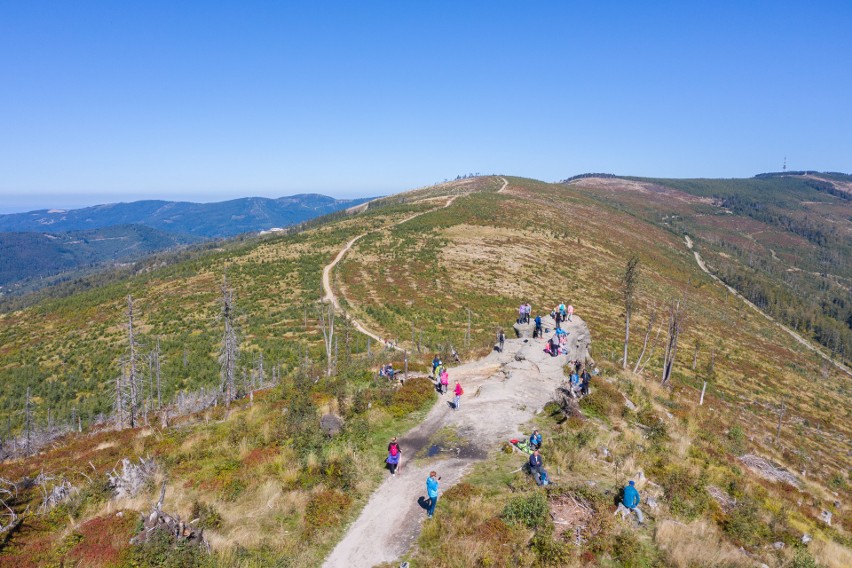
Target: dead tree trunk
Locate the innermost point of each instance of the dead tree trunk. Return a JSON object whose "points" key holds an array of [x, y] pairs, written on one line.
{"points": [[326, 322], [28, 422], [629, 282], [230, 346], [132, 378], [677, 315], [652, 319]]}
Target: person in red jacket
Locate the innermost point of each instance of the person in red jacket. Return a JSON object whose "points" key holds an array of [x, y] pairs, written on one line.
{"points": [[458, 392]]}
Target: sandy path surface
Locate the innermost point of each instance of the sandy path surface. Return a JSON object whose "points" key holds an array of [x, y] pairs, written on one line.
{"points": [[502, 392], [792, 333]]}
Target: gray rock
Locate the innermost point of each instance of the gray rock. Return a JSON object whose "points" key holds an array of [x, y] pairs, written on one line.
{"points": [[806, 538], [331, 425], [778, 545], [825, 517]]}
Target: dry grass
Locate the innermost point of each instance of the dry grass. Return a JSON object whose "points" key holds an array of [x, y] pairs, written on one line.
{"points": [[697, 544], [831, 554]]}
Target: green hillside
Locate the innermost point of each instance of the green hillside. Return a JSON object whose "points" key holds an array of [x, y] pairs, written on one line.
{"points": [[274, 491]]}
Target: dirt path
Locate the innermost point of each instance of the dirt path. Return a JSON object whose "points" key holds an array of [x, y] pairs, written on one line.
{"points": [[502, 392], [792, 333], [505, 185], [330, 296]]}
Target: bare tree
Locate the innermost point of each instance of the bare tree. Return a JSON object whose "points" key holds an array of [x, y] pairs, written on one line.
{"points": [[326, 323], [230, 345], [28, 422], [652, 319], [677, 319], [629, 282]]}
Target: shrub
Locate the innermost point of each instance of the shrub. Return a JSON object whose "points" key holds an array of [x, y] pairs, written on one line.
{"points": [[656, 429], [530, 511], [604, 401], [207, 515], [745, 526], [629, 552], [413, 395], [161, 550], [685, 491], [548, 551], [325, 509]]}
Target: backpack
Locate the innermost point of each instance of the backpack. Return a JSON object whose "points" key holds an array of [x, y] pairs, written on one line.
{"points": [[394, 450], [461, 390]]}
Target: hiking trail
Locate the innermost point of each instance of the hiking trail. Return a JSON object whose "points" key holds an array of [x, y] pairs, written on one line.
{"points": [[503, 391], [328, 291]]}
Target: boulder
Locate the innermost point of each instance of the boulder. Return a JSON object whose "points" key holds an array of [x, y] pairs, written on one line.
{"points": [[331, 425]]}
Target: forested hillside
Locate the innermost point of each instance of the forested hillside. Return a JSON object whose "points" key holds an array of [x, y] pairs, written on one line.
{"points": [[24, 256]]}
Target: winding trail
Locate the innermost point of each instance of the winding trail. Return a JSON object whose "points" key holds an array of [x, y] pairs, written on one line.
{"points": [[328, 291], [792, 333]]}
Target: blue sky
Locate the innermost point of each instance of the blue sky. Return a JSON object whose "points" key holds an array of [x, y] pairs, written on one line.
{"points": [[107, 101]]}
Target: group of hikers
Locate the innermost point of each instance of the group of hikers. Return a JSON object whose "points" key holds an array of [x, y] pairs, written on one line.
{"points": [[442, 380], [578, 383]]}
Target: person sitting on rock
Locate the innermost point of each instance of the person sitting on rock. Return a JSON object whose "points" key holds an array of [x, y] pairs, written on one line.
{"points": [[630, 502]]}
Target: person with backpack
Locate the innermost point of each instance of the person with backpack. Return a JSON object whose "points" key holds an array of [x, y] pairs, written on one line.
{"points": [[445, 381], [394, 459], [535, 440], [436, 362], [459, 391], [432, 492], [535, 466], [630, 502], [537, 332]]}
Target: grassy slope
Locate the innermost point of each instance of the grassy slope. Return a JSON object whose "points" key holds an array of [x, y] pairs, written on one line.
{"points": [[489, 251]]}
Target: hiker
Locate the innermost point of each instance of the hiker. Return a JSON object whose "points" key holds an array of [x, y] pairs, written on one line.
{"points": [[537, 332], [554, 346], [535, 440], [570, 311], [501, 339], [432, 491], [557, 317], [521, 309], [527, 312], [389, 372], [586, 378], [459, 391], [436, 362], [561, 310], [456, 357], [445, 381], [630, 502], [394, 456], [535, 466]]}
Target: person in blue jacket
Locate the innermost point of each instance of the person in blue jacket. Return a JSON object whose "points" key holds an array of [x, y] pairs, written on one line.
{"points": [[630, 501], [535, 440], [432, 491]]}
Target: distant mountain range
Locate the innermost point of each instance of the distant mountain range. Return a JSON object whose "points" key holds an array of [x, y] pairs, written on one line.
{"points": [[207, 220], [47, 242]]}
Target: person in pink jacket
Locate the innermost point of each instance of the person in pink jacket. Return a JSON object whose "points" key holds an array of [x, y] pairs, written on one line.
{"points": [[459, 391], [570, 311], [445, 381]]}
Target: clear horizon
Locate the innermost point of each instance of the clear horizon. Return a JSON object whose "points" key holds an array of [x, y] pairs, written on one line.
{"points": [[206, 102]]}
